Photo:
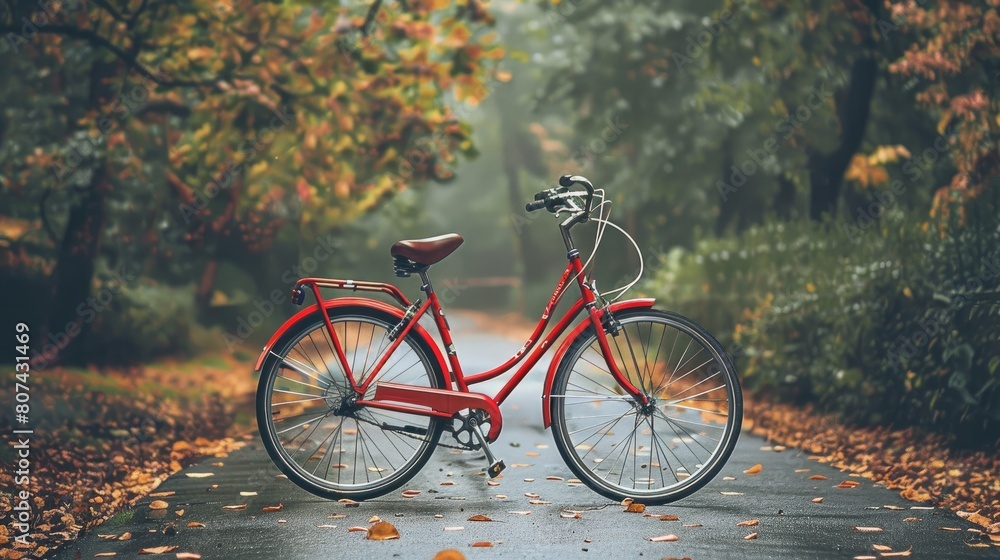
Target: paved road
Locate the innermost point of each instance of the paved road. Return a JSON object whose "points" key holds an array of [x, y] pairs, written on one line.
{"points": [[780, 497]]}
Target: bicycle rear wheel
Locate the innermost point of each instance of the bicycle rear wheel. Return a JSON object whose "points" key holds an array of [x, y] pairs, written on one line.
{"points": [[668, 449], [305, 415]]}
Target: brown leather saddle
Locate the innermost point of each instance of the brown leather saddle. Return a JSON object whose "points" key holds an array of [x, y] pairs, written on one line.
{"points": [[428, 251]]}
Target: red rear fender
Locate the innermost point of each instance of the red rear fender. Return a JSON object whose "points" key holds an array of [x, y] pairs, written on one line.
{"points": [[337, 303]]}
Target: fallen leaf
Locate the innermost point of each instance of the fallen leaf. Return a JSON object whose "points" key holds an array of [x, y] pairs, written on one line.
{"points": [[449, 554], [691, 525], [482, 544], [238, 506], [448, 483], [272, 508], [664, 538], [195, 525], [179, 513], [326, 526], [357, 529], [125, 536], [492, 483], [531, 495], [538, 502], [501, 496], [912, 519], [520, 512], [158, 549], [336, 516], [479, 518], [199, 474], [754, 469], [569, 514], [866, 558], [817, 500], [974, 517], [529, 480], [635, 507], [801, 470], [162, 494], [848, 484], [749, 523], [550, 477], [729, 478], [374, 519], [867, 529], [105, 554], [894, 508], [247, 494], [627, 501], [949, 528], [895, 554], [454, 528], [882, 548], [819, 477], [158, 504], [750, 537], [731, 493], [411, 493], [188, 556], [382, 531]]}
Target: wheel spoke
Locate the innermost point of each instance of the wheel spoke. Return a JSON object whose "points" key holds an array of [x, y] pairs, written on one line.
{"points": [[325, 450], [622, 464]]}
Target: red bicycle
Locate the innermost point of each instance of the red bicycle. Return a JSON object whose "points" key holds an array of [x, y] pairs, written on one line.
{"points": [[354, 393]]}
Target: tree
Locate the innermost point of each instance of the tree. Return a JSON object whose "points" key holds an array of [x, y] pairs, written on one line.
{"points": [[248, 115]]}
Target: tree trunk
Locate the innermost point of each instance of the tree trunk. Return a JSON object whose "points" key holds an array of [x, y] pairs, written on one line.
{"points": [[203, 295], [784, 199], [71, 310], [826, 171]]}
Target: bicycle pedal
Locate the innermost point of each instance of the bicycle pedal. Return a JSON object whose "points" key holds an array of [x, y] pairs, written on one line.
{"points": [[496, 468]]}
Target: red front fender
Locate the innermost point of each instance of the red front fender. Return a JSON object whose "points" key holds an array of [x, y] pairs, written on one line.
{"points": [[643, 303], [355, 302]]}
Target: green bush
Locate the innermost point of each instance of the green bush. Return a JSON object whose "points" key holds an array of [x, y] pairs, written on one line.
{"points": [[900, 326], [142, 322]]}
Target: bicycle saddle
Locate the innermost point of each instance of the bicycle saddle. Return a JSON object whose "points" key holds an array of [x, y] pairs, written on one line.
{"points": [[427, 251]]}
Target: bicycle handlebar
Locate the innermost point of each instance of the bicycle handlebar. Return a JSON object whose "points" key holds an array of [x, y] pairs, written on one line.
{"points": [[553, 199]]}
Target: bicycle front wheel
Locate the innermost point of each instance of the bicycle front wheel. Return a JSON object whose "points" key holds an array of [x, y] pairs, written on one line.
{"points": [[307, 420], [657, 453]]}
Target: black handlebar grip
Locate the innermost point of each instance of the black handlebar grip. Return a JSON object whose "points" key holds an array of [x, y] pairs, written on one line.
{"points": [[536, 205]]}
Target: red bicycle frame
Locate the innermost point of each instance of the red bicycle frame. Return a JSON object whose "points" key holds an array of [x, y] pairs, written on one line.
{"points": [[456, 395]]}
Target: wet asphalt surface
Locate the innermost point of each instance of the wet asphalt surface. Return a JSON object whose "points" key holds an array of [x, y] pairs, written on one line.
{"points": [[781, 497]]}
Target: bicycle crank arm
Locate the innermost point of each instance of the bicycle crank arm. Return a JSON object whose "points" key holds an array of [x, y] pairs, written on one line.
{"points": [[496, 466]]}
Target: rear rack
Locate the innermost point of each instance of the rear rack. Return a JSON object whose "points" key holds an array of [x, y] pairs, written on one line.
{"points": [[298, 292]]}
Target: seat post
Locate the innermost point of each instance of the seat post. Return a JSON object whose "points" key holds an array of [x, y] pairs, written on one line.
{"points": [[426, 287]]}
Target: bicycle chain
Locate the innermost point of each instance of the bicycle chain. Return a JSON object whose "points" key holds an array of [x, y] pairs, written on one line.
{"points": [[409, 435]]}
